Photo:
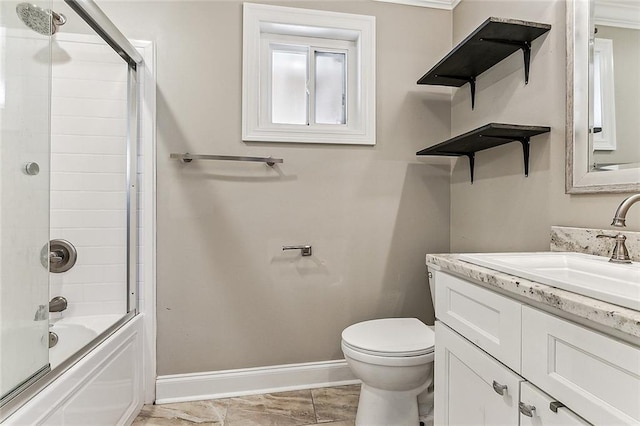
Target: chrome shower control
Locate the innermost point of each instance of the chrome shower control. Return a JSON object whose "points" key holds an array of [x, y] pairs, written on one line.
{"points": [[32, 168], [62, 256], [58, 304]]}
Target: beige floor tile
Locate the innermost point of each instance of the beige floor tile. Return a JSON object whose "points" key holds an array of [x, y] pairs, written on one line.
{"points": [[336, 404], [283, 409], [317, 407], [183, 413]]}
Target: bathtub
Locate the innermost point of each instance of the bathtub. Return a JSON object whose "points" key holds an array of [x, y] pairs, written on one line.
{"points": [[103, 387], [74, 333]]}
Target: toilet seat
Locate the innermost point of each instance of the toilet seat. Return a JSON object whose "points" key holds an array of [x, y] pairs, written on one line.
{"points": [[390, 337]]}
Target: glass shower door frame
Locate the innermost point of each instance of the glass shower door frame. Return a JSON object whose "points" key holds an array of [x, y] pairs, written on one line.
{"points": [[95, 17]]}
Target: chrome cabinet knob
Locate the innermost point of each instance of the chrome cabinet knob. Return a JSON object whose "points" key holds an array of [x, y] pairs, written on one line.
{"points": [[500, 389], [554, 405], [526, 409]]}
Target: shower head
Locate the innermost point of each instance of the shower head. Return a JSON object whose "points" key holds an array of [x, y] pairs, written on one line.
{"points": [[43, 21]]}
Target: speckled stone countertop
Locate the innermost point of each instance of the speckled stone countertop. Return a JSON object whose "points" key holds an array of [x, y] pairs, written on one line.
{"points": [[605, 314]]}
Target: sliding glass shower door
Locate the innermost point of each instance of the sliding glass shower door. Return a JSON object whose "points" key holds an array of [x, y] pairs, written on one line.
{"points": [[24, 200]]}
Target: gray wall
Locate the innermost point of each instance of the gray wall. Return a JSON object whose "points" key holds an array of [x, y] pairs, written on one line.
{"points": [[503, 210], [227, 295]]}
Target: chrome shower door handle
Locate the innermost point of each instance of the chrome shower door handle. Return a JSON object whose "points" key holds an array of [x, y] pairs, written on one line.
{"points": [[305, 250]]}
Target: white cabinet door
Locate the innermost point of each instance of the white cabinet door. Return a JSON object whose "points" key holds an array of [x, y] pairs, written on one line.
{"points": [[539, 409], [594, 374], [472, 388], [487, 319]]}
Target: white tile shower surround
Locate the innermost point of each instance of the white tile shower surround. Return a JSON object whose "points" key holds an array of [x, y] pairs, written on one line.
{"points": [[88, 173]]}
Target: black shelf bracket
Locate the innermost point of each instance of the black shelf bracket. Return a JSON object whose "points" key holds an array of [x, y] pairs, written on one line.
{"points": [[525, 148], [472, 85], [525, 46], [470, 155], [472, 162]]}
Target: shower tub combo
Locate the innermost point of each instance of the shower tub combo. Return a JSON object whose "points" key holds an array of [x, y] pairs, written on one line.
{"points": [[77, 340]]}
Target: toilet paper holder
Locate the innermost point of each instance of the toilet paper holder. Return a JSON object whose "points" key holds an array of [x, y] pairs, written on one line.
{"points": [[305, 250]]}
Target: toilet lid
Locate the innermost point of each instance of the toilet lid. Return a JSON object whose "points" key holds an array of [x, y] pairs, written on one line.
{"points": [[390, 336]]}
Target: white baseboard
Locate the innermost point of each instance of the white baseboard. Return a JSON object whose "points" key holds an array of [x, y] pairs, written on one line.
{"points": [[252, 381]]}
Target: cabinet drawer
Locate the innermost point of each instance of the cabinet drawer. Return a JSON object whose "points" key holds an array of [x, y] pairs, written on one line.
{"points": [[593, 374], [543, 415], [472, 388], [486, 318]]}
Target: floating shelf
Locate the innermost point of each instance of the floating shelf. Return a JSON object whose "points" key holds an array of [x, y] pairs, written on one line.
{"points": [[489, 44], [485, 137]]}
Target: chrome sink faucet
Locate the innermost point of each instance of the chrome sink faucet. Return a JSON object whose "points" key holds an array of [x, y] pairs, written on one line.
{"points": [[620, 253], [623, 208]]}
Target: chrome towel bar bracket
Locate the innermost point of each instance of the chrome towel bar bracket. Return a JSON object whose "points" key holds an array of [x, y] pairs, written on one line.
{"points": [[187, 158]]}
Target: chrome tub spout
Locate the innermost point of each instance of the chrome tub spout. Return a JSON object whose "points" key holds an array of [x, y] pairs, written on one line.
{"points": [[58, 304]]}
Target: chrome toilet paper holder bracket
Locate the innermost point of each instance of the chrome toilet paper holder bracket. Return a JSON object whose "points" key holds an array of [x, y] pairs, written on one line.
{"points": [[305, 250]]}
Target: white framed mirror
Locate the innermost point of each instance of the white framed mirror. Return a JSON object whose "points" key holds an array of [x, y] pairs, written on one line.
{"points": [[603, 96]]}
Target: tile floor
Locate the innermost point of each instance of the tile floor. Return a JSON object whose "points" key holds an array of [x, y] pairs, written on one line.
{"points": [[326, 406]]}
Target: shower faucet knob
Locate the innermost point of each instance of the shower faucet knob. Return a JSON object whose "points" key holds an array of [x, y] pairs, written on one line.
{"points": [[32, 168]]}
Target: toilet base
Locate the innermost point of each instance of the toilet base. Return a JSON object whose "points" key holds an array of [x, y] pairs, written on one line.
{"points": [[378, 407]]}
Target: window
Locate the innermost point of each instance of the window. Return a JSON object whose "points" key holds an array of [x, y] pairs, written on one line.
{"points": [[308, 76], [604, 108]]}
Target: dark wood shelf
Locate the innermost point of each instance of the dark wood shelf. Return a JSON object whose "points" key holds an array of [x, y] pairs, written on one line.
{"points": [[485, 137], [490, 43]]}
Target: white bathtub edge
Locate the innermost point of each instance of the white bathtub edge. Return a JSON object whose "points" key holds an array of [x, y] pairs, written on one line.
{"points": [[50, 405]]}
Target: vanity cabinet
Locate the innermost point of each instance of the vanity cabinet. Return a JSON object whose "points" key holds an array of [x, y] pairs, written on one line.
{"points": [[596, 375], [471, 387], [499, 361], [488, 319]]}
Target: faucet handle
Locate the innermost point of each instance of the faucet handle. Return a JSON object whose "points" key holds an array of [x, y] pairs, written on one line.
{"points": [[620, 253], [606, 236]]}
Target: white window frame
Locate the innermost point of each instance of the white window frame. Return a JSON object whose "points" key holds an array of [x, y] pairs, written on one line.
{"points": [[264, 25]]}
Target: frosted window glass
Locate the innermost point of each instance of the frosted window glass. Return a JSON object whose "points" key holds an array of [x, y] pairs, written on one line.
{"points": [[330, 87], [289, 87]]}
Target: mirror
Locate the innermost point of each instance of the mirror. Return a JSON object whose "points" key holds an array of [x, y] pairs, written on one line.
{"points": [[603, 96]]}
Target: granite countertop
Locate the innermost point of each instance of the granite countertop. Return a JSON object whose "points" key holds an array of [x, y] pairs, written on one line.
{"points": [[603, 313]]}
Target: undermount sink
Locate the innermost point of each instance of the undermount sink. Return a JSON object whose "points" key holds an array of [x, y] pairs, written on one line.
{"points": [[592, 276]]}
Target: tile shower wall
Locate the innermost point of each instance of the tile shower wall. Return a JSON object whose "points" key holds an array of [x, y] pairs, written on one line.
{"points": [[88, 173]]}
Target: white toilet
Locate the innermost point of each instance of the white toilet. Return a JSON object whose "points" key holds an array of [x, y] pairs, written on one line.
{"points": [[394, 359]]}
